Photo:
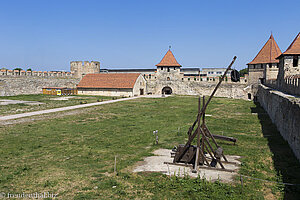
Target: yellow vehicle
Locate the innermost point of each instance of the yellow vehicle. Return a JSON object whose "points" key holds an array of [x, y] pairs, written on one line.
{"points": [[60, 91]]}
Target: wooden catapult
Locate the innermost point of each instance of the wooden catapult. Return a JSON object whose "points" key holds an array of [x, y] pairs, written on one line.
{"points": [[195, 155]]}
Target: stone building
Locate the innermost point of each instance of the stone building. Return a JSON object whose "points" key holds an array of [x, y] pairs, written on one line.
{"points": [[80, 68], [209, 74], [289, 68], [168, 78], [117, 84], [168, 70], [265, 65]]}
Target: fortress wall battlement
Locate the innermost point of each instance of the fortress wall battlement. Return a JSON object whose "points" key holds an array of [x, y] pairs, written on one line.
{"points": [[22, 73]]}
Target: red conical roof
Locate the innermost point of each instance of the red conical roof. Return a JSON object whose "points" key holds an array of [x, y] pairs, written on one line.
{"points": [[168, 60], [268, 53], [294, 48]]}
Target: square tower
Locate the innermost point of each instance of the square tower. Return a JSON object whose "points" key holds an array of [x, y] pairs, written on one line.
{"points": [[264, 66]]}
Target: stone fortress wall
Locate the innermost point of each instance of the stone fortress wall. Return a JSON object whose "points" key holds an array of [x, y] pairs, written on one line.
{"points": [[181, 84], [229, 90], [15, 82], [16, 85], [280, 97], [284, 111]]}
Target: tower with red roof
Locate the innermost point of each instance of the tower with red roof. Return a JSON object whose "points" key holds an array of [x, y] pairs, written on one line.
{"points": [[265, 65], [289, 64]]}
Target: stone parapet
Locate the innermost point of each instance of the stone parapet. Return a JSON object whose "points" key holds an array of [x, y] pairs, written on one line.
{"points": [[284, 111], [16, 73]]}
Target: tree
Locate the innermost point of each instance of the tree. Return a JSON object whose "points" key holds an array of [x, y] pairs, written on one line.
{"points": [[3, 68], [29, 69], [243, 72], [18, 68]]}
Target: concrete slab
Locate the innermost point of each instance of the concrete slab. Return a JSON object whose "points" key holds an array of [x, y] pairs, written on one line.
{"points": [[4, 102], [156, 164]]}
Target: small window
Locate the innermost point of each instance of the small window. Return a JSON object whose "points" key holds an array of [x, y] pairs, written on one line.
{"points": [[174, 68], [161, 68], [270, 65], [168, 69], [189, 79], [168, 78], [295, 61]]}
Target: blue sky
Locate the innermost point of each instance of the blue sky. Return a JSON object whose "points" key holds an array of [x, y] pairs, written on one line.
{"points": [[47, 35]]}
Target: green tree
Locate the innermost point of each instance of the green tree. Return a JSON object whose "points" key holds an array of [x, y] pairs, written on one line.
{"points": [[243, 72], [18, 68], [29, 69]]}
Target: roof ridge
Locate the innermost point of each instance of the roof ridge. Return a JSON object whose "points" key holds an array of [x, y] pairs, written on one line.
{"points": [[267, 53], [292, 45], [271, 37]]}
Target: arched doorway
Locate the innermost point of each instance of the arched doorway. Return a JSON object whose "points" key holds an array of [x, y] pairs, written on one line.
{"points": [[166, 90]]}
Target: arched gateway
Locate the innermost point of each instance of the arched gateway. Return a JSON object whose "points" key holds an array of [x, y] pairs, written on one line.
{"points": [[166, 90]]}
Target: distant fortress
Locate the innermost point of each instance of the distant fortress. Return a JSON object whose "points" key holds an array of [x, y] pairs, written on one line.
{"points": [[270, 66], [169, 77]]}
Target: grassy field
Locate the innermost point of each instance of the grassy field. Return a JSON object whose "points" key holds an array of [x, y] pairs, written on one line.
{"points": [[74, 155], [47, 100]]}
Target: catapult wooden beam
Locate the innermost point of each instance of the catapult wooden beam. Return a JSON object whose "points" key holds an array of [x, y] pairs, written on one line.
{"points": [[199, 129]]}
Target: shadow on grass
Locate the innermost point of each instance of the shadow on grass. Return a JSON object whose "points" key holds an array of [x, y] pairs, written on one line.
{"points": [[286, 164]]}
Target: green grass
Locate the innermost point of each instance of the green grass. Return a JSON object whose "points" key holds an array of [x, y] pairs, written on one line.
{"points": [[74, 155], [47, 100]]}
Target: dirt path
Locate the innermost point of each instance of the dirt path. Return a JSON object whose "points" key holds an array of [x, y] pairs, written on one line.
{"points": [[17, 116]]}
